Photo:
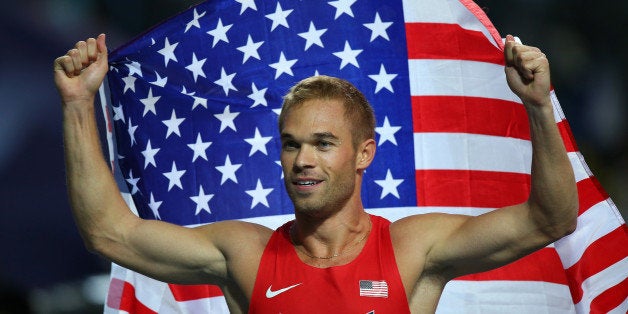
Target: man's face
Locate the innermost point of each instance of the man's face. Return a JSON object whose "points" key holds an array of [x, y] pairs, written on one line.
{"points": [[318, 158]]}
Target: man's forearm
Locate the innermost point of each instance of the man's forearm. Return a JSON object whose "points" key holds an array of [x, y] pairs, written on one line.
{"points": [[553, 196], [93, 193]]}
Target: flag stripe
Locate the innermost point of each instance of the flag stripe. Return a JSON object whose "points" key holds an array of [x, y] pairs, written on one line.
{"points": [[593, 224], [542, 265], [465, 13], [457, 114], [589, 193], [471, 188], [191, 292], [463, 151], [130, 303], [597, 256], [449, 41], [458, 78], [612, 301], [499, 296], [593, 286]]}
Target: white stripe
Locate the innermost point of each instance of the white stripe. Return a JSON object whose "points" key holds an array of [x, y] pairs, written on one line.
{"points": [[580, 169], [622, 308], [443, 11], [464, 151], [601, 281], [559, 115], [459, 78], [505, 297], [593, 224]]}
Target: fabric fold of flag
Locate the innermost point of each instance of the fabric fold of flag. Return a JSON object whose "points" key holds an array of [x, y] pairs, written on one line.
{"points": [[192, 113]]}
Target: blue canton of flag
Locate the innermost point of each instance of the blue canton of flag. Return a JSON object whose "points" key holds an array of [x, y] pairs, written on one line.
{"points": [[196, 100]]}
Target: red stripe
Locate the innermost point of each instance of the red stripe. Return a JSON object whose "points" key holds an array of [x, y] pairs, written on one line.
{"points": [[599, 255], [471, 188], [610, 298], [542, 265], [121, 296], [449, 41], [194, 292], [458, 114], [568, 138], [590, 192]]}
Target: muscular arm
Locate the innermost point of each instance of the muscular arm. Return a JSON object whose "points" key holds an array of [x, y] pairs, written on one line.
{"points": [[454, 245], [158, 249]]}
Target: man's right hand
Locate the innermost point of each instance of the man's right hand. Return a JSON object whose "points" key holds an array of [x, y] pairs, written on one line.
{"points": [[79, 73]]}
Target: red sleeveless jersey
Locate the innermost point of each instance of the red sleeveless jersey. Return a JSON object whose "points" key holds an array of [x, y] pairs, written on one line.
{"points": [[368, 284]]}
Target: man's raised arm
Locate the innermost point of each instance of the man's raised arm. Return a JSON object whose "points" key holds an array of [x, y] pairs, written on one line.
{"points": [[161, 250], [454, 245]]}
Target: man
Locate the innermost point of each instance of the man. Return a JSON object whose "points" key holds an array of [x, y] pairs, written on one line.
{"points": [[334, 256]]}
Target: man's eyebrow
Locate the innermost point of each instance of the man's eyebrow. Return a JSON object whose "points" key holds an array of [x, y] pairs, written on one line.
{"points": [[325, 136], [318, 136]]}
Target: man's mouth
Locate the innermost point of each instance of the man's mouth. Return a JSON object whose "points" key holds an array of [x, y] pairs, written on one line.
{"points": [[306, 183]]}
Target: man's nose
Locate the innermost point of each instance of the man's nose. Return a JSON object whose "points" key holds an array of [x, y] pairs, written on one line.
{"points": [[305, 158]]}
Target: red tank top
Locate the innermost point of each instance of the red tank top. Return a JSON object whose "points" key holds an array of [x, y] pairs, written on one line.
{"points": [[368, 284]]}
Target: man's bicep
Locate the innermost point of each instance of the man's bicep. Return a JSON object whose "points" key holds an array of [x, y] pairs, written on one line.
{"points": [[168, 252], [484, 242]]}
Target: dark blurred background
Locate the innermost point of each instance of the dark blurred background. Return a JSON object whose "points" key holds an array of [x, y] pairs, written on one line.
{"points": [[44, 266]]}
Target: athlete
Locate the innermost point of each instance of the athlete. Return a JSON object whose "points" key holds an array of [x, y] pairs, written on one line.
{"points": [[333, 256]]}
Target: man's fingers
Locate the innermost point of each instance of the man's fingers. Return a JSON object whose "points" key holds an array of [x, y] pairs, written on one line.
{"points": [[77, 63], [65, 64], [92, 50]]}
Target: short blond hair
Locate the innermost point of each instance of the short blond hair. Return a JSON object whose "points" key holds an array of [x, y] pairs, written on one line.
{"points": [[358, 111]]}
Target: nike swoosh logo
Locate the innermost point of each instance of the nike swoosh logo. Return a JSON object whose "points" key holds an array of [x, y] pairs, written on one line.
{"points": [[271, 294]]}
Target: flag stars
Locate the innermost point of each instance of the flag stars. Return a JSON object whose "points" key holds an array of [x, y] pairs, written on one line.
{"points": [[228, 171], [258, 143], [225, 81], [149, 155], [198, 101], [246, 4], [250, 49], [199, 148], [154, 206], [135, 68], [118, 113], [220, 33], [342, 7], [131, 130], [174, 177], [159, 81], [194, 22], [133, 182], [389, 185], [258, 96], [202, 201], [173, 124], [387, 132], [378, 28], [149, 103], [259, 195], [279, 17], [283, 66], [226, 119], [348, 56], [313, 36], [383, 79], [168, 51], [196, 67], [129, 83]]}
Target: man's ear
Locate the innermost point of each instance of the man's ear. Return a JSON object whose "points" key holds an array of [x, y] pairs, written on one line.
{"points": [[366, 153]]}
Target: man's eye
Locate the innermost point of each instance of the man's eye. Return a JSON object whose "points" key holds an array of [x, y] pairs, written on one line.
{"points": [[289, 145], [324, 145]]}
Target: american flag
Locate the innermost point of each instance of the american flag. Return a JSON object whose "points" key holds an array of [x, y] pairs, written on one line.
{"points": [[373, 288], [194, 104]]}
